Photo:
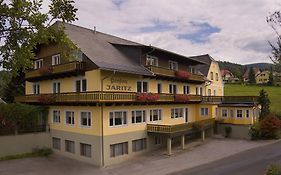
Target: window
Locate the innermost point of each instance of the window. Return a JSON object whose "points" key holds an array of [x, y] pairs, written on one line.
{"points": [[36, 88], [204, 111], [56, 116], [56, 143], [69, 117], [177, 113], [56, 87], [117, 118], [217, 111], [209, 92], [197, 91], [173, 65], [239, 113], [69, 146], [247, 113], [172, 88], [85, 150], [185, 89], [118, 149], [212, 75], [151, 60], [38, 64], [159, 88], [231, 113], [201, 91], [215, 93], [217, 77], [186, 115], [139, 145], [192, 69], [85, 119], [224, 112], [157, 140], [138, 116], [56, 59], [142, 86], [81, 85], [155, 114]]}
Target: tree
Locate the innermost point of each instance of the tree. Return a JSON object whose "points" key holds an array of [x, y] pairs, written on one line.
{"points": [[264, 101], [23, 26], [270, 79], [252, 76]]}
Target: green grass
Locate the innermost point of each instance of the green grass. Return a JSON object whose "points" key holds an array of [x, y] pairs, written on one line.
{"points": [[44, 152], [274, 93]]}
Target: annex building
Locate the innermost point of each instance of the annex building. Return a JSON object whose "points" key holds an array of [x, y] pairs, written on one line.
{"points": [[119, 98]]}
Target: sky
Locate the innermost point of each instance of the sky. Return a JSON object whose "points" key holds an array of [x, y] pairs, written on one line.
{"points": [[228, 30]]}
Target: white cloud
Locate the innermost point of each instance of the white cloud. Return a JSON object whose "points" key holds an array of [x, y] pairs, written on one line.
{"points": [[243, 32]]}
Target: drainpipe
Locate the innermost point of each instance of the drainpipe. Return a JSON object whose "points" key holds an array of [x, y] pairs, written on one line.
{"points": [[102, 133]]}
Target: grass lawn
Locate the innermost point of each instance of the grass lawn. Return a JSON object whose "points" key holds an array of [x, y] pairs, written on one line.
{"points": [[274, 93]]}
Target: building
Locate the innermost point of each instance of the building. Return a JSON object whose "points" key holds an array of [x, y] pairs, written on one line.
{"points": [[262, 77], [228, 77], [246, 74], [119, 99], [214, 84], [277, 78]]}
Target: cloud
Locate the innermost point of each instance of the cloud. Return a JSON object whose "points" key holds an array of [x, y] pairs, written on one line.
{"points": [[228, 30]]}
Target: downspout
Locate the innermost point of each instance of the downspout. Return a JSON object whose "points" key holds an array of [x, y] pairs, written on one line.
{"points": [[102, 133]]}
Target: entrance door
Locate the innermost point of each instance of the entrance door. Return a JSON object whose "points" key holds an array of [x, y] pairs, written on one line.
{"points": [[186, 115]]}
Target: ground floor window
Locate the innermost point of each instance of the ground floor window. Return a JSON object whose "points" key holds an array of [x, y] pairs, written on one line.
{"points": [[239, 113], [224, 112], [85, 150], [247, 113], [139, 145], [56, 143], [204, 111], [177, 113], [118, 149], [69, 146], [231, 113]]}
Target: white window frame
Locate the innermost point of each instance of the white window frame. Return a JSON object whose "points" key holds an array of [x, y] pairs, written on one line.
{"points": [[69, 124], [161, 87], [224, 111], [35, 88], [247, 113], [185, 87], [53, 116], [38, 64], [151, 60], [205, 111], [56, 88], [159, 115], [123, 123], [142, 89], [173, 65], [241, 113], [81, 85], [56, 59], [174, 89], [89, 125], [143, 116], [175, 111]]}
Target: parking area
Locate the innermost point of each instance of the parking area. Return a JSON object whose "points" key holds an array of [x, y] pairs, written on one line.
{"points": [[196, 153]]}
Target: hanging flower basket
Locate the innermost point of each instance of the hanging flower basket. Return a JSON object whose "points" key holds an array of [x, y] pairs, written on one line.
{"points": [[183, 74], [46, 99], [182, 98], [45, 70], [147, 97]]}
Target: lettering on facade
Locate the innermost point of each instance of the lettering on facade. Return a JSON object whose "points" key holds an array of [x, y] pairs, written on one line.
{"points": [[118, 84]]}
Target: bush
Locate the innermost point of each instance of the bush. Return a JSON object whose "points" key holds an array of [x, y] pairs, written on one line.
{"points": [[270, 126], [228, 131], [273, 169], [255, 131], [43, 152]]}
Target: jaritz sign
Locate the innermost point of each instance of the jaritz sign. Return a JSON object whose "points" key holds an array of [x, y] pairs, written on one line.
{"points": [[118, 84]]}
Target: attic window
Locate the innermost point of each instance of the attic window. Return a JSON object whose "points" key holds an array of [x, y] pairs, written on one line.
{"points": [[173, 65], [38, 64], [56, 59], [151, 60]]}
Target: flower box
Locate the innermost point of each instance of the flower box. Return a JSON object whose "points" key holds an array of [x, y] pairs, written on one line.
{"points": [[183, 74], [146, 97], [182, 98]]}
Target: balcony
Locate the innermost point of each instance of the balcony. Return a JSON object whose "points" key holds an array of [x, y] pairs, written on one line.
{"points": [[172, 130], [99, 97], [57, 71], [167, 73], [230, 99]]}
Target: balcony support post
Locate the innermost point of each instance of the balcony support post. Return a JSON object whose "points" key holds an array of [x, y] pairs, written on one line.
{"points": [[203, 135], [182, 142], [169, 146]]}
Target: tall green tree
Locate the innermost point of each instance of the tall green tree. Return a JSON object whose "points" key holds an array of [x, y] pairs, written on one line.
{"points": [[252, 76], [264, 102], [270, 79], [23, 26]]}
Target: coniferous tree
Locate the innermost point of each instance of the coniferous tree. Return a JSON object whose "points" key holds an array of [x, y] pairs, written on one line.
{"points": [[252, 76], [264, 101]]}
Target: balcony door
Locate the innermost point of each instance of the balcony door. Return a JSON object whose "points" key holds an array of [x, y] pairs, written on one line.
{"points": [[186, 115]]}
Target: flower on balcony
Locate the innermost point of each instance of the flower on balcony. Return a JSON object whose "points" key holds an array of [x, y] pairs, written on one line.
{"points": [[183, 74], [45, 70], [182, 98], [146, 97], [46, 99]]}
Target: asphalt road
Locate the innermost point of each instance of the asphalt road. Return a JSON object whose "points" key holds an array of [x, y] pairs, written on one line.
{"points": [[251, 162]]}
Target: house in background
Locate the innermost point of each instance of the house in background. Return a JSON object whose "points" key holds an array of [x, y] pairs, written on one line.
{"points": [[228, 76], [277, 78], [262, 77], [211, 71], [247, 72]]}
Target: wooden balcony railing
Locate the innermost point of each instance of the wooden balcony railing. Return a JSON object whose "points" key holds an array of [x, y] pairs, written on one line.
{"points": [[160, 71], [98, 96], [171, 129], [230, 99], [44, 72]]}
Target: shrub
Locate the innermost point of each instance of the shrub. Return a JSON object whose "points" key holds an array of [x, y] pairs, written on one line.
{"points": [[255, 131], [43, 152], [182, 98], [227, 130], [270, 126], [273, 169]]}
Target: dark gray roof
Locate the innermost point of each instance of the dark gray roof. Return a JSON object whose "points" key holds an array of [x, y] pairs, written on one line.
{"points": [[203, 68], [98, 48]]}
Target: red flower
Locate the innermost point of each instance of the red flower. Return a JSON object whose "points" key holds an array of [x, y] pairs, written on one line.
{"points": [[147, 97], [182, 98], [183, 74]]}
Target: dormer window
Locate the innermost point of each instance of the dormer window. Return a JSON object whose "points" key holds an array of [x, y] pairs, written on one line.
{"points": [[151, 60], [56, 59], [173, 65], [38, 64], [192, 69]]}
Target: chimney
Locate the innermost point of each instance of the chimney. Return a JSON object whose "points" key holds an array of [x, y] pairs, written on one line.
{"points": [[95, 30]]}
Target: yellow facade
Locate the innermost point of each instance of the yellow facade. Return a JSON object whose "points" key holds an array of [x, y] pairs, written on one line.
{"points": [[215, 87], [263, 77]]}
